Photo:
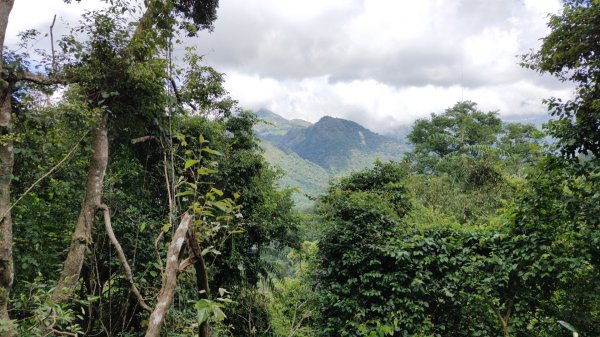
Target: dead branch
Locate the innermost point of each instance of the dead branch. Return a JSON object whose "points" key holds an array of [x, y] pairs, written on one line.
{"points": [[142, 139], [38, 78], [169, 282], [122, 258], [186, 263], [52, 43]]}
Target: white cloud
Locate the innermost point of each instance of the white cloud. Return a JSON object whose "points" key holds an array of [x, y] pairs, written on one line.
{"points": [[38, 14], [378, 106], [380, 63]]}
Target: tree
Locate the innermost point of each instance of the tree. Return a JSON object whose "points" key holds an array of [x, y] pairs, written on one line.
{"points": [[454, 130], [113, 63], [6, 166], [360, 215], [471, 155], [570, 52], [560, 205]]}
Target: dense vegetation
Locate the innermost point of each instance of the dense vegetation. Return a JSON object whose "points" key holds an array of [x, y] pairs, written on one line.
{"points": [[136, 200]]}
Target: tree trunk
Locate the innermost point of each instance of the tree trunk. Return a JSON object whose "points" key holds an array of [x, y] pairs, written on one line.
{"points": [[93, 192], [201, 276], [91, 201], [6, 171], [169, 282], [5, 9]]}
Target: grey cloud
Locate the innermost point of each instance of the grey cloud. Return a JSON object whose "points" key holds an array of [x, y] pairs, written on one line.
{"points": [[254, 40]]}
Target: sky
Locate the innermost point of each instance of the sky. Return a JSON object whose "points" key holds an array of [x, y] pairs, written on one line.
{"points": [[381, 63]]}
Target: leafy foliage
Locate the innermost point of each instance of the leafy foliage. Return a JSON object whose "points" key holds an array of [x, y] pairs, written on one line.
{"points": [[570, 52]]}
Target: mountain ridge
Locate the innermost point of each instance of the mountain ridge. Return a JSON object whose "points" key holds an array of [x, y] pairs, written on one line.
{"points": [[311, 154]]}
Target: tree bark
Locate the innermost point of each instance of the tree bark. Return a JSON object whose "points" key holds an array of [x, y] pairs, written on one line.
{"points": [[169, 281], [5, 9], [91, 201], [6, 172]]}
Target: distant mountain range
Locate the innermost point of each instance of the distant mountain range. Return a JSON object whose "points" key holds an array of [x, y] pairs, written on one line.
{"points": [[312, 154]]}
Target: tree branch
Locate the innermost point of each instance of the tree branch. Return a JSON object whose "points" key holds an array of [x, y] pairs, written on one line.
{"points": [[122, 258], [178, 97], [28, 76]]}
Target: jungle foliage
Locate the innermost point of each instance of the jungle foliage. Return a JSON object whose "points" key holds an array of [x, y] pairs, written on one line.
{"points": [[485, 228]]}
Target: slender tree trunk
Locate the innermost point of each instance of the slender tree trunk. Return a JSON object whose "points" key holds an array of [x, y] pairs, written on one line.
{"points": [[6, 172], [203, 290], [169, 282], [93, 192], [5, 9], [201, 276], [91, 201]]}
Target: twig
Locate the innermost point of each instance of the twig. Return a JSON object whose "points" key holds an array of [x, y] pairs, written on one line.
{"points": [[122, 258]]}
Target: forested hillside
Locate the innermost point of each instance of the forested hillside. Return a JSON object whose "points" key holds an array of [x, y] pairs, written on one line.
{"points": [[137, 198], [310, 155]]}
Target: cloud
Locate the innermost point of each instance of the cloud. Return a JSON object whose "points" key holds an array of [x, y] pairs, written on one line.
{"points": [[380, 63], [401, 43], [379, 106], [38, 14]]}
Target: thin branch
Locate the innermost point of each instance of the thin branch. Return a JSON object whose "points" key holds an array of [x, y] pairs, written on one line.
{"points": [[122, 258], [179, 100], [186, 263], [54, 168], [28, 76], [52, 43], [297, 327]]}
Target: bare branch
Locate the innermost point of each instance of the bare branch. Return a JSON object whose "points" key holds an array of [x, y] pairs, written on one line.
{"points": [[38, 78], [52, 43], [179, 100], [142, 139], [122, 258], [186, 263]]}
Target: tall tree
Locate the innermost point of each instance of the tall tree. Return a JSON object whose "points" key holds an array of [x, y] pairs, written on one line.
{"points": [[152, 33], [570, 52], [6, 168]]}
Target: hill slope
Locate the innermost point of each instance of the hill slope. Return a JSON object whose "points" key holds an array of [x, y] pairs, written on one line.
{"points": [[331, 142]]}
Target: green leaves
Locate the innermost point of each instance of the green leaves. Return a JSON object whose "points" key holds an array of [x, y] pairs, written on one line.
{"points": [[189, 163], [208, 310]]}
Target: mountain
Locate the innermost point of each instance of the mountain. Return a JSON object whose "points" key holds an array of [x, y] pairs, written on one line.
{"points": [[312, 154], [273, 127], [308, 178], [331, 142]]}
